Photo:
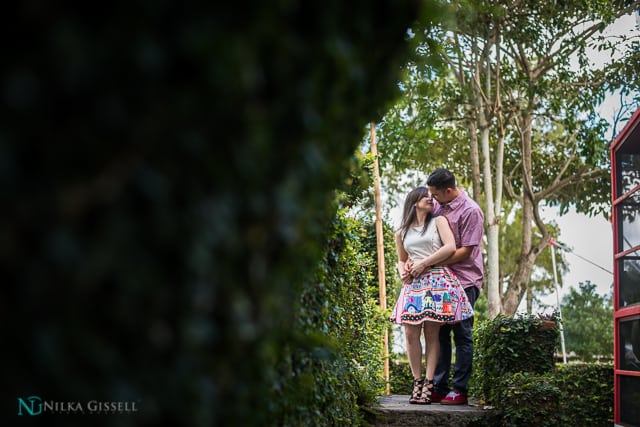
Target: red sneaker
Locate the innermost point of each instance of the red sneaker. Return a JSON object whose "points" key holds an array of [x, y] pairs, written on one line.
{"points": [[436, 397], [454, 398]]}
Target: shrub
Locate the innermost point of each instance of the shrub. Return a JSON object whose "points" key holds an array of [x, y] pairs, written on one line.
{"points": [[401, 378], [514, 371], [586, 394], [509, 345], [528, 399], [336, 367], [167, 171]]}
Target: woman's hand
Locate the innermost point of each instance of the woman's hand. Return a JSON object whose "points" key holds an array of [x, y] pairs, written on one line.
{"points": [[418, 268], [407, 279], [405, 275]]}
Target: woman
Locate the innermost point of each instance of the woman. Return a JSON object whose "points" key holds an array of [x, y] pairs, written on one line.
{"points": [[430, 295]]}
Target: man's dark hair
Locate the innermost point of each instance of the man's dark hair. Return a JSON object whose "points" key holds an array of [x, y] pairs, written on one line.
{"points": [[442, 178]]}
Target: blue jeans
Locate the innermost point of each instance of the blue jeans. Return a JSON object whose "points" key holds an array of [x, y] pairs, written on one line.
{"points": [[463, 338]]}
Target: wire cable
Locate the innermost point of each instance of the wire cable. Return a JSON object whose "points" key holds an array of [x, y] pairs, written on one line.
{"points": [[565, 248]]}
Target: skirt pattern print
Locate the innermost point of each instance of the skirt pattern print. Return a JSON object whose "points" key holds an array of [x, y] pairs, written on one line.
{"points": [[436, 296]]}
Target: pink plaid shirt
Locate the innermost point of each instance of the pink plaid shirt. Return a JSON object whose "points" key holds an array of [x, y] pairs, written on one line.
{"points": [[466, 219]]}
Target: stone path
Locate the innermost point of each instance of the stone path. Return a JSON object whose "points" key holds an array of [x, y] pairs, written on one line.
{"points": [[395, 410]]}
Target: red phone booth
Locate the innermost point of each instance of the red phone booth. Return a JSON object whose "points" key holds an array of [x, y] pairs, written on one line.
{"points": [[625, 188]]}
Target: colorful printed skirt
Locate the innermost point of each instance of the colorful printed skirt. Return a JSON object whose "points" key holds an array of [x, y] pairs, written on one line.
{"points": [[436, 296]]}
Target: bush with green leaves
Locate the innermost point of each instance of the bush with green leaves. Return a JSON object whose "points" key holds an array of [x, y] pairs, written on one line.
{"points": [[400, 376], [570, 395], [586, 394], [525, 398], [508, 345], [514, 371], [337, 364], [167, 173]]}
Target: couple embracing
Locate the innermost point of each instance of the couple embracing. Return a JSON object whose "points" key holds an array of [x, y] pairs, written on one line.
{"points": [[440, 263]]}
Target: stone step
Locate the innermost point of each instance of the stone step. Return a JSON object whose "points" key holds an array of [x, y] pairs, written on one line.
{"points": [[396, 411]]}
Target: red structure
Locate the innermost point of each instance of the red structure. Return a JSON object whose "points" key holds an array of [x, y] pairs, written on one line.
{"points": [[625, 191]]}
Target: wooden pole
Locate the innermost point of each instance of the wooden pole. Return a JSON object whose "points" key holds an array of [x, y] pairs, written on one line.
{"points": [[380, 244]]}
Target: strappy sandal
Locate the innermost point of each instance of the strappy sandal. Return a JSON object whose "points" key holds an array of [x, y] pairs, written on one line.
{"points": [[427, 390], [417, 391]]}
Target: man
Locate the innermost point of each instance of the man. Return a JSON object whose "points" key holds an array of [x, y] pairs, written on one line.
{"points": [[466, 219]]}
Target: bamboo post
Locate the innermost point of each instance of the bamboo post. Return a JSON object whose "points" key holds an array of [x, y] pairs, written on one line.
{"points": [[380, 246]]}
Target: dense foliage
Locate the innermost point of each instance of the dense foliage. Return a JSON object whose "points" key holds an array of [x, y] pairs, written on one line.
{"points": [[504, 346], [337, 364], [167, 173], [571, 395], [586, 394], [515, 373], [526, 398]]}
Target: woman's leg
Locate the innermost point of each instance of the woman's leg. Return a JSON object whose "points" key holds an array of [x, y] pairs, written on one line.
{"points": [[414, 349], [414, 352], [432, 342]]}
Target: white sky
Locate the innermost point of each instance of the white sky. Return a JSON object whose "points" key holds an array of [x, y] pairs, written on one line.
{"points": [[591, 242]]}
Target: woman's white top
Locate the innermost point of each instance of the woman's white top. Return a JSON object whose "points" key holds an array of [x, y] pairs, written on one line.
{"points": [[420, 246]]}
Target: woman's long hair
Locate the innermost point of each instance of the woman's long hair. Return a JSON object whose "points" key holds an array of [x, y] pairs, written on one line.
{"points": [[409, 211]]}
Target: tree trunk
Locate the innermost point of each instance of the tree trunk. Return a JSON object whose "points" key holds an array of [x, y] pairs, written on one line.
{"points": [[518, 285], [493, 270], [475, 161], [520, 281], [492, 227]]}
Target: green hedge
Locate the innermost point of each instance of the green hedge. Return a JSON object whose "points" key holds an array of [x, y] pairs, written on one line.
{"points": [[507, 345], [571, 395], [525, 398], [400, 375], [514, 371], [167, 172], [336, 366], [586, 394]]}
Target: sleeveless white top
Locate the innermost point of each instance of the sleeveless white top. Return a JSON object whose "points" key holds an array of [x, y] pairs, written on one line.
{"points": [[420, 246]]}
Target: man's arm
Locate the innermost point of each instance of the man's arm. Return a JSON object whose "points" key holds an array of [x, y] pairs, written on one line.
{"points": [[471, 229], [459, 255]]}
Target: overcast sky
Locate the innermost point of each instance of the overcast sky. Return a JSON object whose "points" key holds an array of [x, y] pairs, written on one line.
{"points": [[591, 242]]}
